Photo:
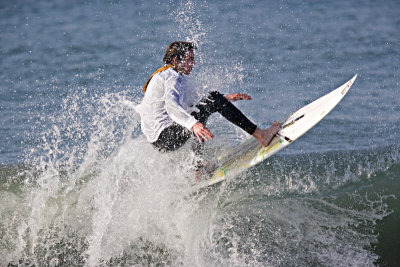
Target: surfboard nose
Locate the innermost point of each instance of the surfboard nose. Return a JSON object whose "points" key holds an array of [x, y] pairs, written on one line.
{"points": [[348, 85]]}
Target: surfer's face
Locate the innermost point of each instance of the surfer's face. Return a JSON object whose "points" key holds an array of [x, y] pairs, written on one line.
{"points": [[188, 62]]}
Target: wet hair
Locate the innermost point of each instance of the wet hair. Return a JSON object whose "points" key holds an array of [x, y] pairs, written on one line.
{"points": [[178, 49]]}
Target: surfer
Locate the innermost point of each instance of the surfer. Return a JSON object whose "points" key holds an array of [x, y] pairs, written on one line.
{"points": [[165, 122]]}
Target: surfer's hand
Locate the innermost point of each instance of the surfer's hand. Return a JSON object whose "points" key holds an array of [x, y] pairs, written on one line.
{"points": [[202, 132], [237, 96]]}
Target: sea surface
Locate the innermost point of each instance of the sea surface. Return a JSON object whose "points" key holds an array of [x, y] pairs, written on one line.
{"points": [[80, 186]]}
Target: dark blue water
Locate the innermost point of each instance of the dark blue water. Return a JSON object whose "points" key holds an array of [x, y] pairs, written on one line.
{"points": [[79, 185]]}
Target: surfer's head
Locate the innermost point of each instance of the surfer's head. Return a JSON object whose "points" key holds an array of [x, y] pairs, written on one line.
{"points": [[181, 56]]}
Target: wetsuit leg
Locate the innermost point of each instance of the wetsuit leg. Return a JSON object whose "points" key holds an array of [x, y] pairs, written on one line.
{"points": [[216, 102]]}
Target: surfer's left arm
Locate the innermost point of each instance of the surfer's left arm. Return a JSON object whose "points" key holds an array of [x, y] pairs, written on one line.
{"points": [[237, 96]]}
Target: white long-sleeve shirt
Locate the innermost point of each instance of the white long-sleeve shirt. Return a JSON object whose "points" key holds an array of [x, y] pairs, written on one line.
{"points": [[162, 105]]}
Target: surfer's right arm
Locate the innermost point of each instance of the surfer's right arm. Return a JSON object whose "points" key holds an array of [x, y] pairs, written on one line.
{"points": [[174, 98], [173, 102]]}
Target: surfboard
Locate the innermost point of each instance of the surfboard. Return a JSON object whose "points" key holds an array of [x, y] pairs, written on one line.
{"points": [[251, 152]]}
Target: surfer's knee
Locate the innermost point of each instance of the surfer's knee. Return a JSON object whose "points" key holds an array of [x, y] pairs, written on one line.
{"points": [[218, 98]]}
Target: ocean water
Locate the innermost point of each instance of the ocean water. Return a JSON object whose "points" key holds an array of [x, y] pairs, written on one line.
{"points": [[80, 186]]}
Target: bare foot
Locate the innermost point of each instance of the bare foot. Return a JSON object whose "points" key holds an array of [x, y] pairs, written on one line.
{"points": [[264, 137]]}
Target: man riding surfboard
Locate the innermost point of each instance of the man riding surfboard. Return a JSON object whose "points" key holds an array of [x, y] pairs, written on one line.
{"points": [[164, 121]]}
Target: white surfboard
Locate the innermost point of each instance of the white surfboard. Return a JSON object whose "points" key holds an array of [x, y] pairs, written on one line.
{"points": [[251, 152]]}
